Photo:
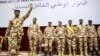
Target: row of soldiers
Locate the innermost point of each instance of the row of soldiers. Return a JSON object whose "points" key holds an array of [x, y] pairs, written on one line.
{"points": [[14, 35], [61, 34]]}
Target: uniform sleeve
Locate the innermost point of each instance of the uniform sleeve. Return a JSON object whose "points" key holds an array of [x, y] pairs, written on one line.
{"points": [[8, 29], [66, 29], [54, 31], [40, 32], [65, 32], [26, 15], [39, 28], [28, 32], [98, 31], [45, 31]]}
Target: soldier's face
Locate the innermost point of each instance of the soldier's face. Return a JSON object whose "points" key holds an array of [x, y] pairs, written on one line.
{"points": [[90, 23], [70, 22], [59, 23], [81, 21], [34, 20], [49, 24], [17, 14]]}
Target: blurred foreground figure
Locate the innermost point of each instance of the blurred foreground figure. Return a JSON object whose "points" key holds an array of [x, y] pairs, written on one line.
{"points": [[15, 31]]}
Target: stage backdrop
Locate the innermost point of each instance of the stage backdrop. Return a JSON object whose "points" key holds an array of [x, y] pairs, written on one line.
{"points": [[51, 10]]}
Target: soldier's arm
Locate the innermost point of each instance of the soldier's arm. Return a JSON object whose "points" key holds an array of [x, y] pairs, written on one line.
{"points": [[98, 31], [10, 24], [45, 32], [39, 29], [28, 13], [40, 32], [66, 32], [8, 29], [87, 31], [78, 28], [95, 31], [87, 28], [94, 28], [54, 32], [29, 30]]}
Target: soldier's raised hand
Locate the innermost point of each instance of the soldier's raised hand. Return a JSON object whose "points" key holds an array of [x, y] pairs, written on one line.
{"points": [[31, 5]]}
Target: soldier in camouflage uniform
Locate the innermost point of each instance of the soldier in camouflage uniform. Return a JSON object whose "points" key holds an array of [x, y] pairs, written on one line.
{"points": [[49, 34], [71, 37], [33, 35], [92, 37], [15, 31], [60, 34], [82, 36]]}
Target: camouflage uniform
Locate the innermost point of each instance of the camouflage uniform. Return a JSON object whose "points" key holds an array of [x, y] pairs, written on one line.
{"points": [[11, 40], [15, 33], [33, 35], [71, 38], [99, 37], [82, 37], [99, 31], [92, 35], [60, 32], [49, 34]]}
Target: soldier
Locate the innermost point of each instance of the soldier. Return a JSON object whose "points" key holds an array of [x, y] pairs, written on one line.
{"points": [[71, 37], [82, 36], [49, 34], [60, 34], [33, 35], [16, 31], [92, 37]]}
